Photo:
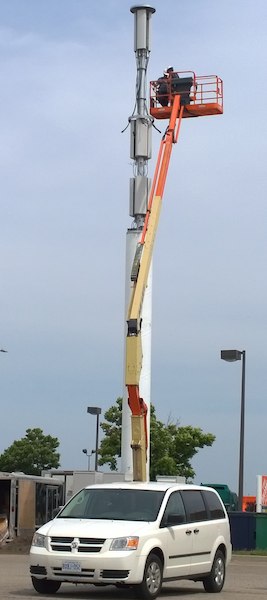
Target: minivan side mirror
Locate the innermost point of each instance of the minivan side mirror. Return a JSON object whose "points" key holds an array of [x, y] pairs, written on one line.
{"points": [[56, 511]]}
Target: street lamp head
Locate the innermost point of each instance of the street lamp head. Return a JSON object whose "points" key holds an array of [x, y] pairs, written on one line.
{"points": [[84, 450], [94, 410], [231, 355]]}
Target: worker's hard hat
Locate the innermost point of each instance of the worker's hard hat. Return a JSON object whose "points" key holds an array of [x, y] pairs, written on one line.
{"points": [[167, 70]]}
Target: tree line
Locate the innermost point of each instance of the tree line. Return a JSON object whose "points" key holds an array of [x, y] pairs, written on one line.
{"points": [[172, 447]]}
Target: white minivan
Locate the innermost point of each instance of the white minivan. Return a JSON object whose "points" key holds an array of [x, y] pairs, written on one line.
{"points": [[134, 534]]}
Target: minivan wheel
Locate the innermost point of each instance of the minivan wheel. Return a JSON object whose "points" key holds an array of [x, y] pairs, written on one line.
{"points": [[152, 580], [45, 586], [215, 580]]}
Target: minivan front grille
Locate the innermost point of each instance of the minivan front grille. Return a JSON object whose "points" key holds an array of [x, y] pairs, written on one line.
{"points": [[85, 573], [62, 540], [75, 544]]}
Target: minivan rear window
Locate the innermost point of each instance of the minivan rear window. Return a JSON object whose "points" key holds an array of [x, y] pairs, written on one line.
{"points": [[214, 505], [114, 504], [194, 505]]}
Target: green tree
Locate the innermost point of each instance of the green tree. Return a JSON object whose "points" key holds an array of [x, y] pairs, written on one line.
{"points": [[110, 447], [171, 447], [32, 454]]}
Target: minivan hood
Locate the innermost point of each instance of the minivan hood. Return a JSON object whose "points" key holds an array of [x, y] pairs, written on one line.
{"points": [[95, 528]]}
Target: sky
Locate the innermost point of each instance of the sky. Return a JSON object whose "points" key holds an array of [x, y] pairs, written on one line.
{"points": [[67, 87]]}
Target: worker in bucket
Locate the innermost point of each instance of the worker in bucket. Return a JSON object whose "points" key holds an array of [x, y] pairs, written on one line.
{"points": [[164, 85]]}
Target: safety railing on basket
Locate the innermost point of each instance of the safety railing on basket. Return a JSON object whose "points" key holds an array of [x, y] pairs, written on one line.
{"points": [[193, 90]]}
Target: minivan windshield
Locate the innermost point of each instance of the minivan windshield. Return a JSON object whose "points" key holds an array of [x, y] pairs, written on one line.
{"points": [[114, 504]]}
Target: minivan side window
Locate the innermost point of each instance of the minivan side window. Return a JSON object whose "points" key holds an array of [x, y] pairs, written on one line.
{"points": [[214, 505], [194, 505], [174, 506]]}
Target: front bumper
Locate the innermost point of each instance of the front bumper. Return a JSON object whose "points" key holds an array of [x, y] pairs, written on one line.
{"points": [[104, 567]]}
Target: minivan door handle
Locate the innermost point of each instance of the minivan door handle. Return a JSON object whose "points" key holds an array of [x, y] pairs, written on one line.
{"points": [[188, 532], [196, 530]]}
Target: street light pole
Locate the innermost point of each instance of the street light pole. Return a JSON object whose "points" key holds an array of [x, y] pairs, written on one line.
{"points": [[96, 440], [242, 434], [232, 356], [95, 410]]}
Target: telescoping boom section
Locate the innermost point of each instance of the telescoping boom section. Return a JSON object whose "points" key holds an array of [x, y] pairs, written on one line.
{"points": [[181, 96]]}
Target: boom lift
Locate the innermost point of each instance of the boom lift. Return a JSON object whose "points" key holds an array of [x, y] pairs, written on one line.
{"points": [[186, 96]]}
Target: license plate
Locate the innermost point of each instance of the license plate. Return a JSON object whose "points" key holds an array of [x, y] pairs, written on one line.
{"points": [[74, 567]]}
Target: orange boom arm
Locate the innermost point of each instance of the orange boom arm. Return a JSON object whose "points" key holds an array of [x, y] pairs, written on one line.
{"points": [[186, 97]]}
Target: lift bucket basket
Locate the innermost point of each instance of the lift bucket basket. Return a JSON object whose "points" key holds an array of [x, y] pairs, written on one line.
{"points": [[200, 96]]}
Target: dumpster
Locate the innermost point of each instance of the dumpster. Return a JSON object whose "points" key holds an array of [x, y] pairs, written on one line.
{"points": [[261, 531], [243, 530]]}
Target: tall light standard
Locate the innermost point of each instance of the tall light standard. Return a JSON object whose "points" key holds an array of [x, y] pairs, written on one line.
{"points": [[85, 451], [232, 356], [95, 410]]}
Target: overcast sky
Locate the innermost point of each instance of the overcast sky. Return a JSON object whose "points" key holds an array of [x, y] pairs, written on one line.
{"points": [[67, 85]]}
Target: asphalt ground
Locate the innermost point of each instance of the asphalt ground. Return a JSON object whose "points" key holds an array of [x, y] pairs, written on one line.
{"points": [[246, 580]]}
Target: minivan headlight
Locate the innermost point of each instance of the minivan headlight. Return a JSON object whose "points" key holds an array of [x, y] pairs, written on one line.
{"points": [[39, 540], [125, 543]]}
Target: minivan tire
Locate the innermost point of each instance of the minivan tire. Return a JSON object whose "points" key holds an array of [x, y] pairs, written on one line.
{"points": [[45, 586], [151, 585], [215, 581]]}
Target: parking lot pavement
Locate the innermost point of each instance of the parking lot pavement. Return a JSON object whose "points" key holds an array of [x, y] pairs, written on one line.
{"points": [[246, 580]]}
